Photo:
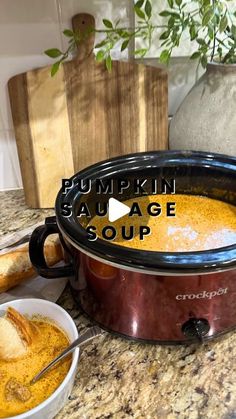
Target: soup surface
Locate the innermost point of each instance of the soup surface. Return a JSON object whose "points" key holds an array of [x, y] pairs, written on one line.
{"points": [[16, 393], [200, 223]]}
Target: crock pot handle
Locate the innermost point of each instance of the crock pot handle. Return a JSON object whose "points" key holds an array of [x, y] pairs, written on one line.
{"points": [[36, 253]]}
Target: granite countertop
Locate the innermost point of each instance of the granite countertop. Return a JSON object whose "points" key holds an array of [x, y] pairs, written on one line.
{"points": [[123, 379]]}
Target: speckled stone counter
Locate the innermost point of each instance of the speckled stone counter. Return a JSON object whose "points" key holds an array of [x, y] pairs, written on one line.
{"points": [[122, 379]]}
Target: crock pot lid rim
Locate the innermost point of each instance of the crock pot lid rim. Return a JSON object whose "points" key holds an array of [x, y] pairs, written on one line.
{"points": [[161, 154], [217, 160]]}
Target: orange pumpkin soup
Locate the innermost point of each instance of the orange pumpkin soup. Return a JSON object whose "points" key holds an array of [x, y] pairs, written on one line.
{"points": [[200, 223], [16, 394]]}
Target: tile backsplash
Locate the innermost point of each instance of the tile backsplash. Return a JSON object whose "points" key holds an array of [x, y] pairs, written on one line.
{"points": [[27, 28]]}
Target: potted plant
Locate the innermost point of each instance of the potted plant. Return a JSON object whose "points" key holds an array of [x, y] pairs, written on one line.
{"points": [[206, 119]]}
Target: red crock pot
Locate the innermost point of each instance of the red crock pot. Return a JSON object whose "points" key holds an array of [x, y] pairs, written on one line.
{"points": [[159, 297]]}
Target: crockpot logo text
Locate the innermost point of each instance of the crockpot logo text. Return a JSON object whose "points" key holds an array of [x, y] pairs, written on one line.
{"points": [[203, 294]]}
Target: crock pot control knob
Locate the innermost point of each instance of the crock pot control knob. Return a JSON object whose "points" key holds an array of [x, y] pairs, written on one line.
{"points": [[196, 328]]}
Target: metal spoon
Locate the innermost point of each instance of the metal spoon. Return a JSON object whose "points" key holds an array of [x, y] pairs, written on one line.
{"points": [[90, 334]]}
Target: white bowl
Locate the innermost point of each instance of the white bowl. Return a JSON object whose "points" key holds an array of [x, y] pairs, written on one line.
{"points": [[51, 406]]}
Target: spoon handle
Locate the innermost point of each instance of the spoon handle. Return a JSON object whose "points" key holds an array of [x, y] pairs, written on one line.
{"points": [[86, 337]]}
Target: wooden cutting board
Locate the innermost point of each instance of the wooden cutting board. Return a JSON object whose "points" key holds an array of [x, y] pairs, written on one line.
{"points": [[82, 115]]}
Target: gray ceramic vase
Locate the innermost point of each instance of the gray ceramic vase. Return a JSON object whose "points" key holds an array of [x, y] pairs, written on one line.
{"points": [[206, 119]]}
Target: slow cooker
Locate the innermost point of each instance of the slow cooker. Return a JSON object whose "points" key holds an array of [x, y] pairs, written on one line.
{"points": [[160, 297]]}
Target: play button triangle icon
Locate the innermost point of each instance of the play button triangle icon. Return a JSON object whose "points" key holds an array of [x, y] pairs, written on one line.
{"points": [[116, 209]]}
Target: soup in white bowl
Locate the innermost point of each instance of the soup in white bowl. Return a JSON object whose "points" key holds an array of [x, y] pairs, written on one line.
{"points": [[54, 329]]}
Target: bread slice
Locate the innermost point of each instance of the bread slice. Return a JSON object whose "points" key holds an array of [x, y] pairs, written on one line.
{"points": [[15, 266], [11, 344], [17, 334], [26, 329]]}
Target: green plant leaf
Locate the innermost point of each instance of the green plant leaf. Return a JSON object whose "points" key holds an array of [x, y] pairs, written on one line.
{"points": [[122, 33], [109, 63], [233, 31], [223, 23], [140, 51], [100, 55], [171, 3], [207, 17], [211, 32], [185, 23], [165, 13], [53, 52], [165, 56], [192, 32], [124, 45], [107, 23], [201, 41], [166, 42], [171, 22], [165, 35], [178, 2], [139, 3], [229, 58], [55, 68], [175, 14], [148, 8], [139, 12], [69, 33], [204, 61], [195, 55], [173, 37], [177, 42], [101, 44]]}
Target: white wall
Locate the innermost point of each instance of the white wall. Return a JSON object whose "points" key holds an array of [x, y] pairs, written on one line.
{"points": [[27, 28]]}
